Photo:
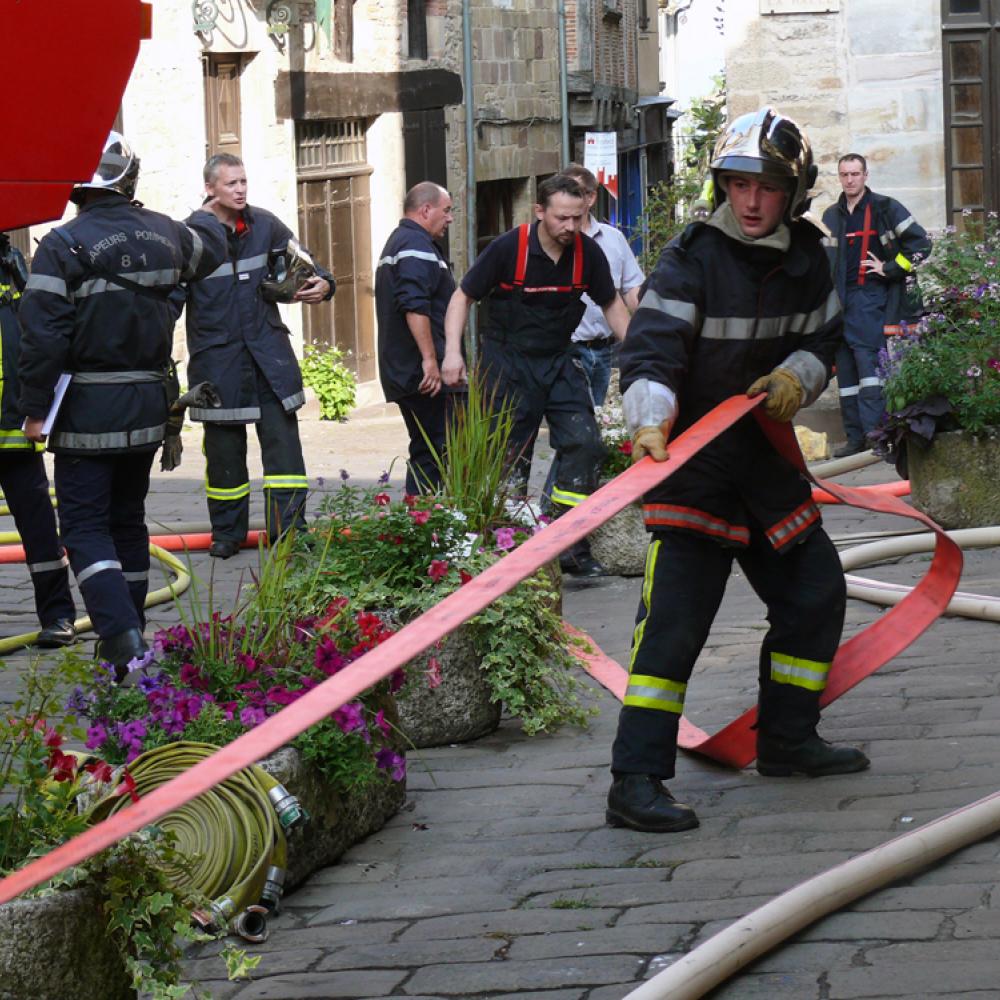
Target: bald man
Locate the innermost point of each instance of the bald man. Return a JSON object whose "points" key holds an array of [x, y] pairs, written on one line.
{"points": [[413, 285]]}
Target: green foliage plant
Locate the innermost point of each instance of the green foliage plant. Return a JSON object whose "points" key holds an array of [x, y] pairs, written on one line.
{"points": [[943, 372], [614, 432], [333, 382]]}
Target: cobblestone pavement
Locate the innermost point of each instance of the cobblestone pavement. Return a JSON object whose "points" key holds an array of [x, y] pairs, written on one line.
{"points": [[499, 878]]}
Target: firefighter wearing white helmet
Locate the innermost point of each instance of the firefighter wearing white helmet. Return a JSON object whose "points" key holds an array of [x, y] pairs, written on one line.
{"points": [[739, 303], [96, 306]]}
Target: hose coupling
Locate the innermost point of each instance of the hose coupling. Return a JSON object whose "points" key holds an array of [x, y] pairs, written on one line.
{"points": [[274, 887], [290, 812], [216, 917], [251, 924]]}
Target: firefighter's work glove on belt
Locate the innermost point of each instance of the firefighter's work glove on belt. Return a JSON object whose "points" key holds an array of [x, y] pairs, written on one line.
{"points": [[650, 441], [203, 395], [784, 394]]}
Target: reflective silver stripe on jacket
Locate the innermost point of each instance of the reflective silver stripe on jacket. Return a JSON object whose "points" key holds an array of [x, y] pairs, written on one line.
{"points": [[294, 401], [117, 378], [136, 576], [98, 567], [47, 283], [148, 279], [419, 254], [197, 249], [901, 227], [48, 567], [222, 416], [225, 269], [811, 373], [770, 327], [109, 439], [687, 312], [829, 241]]}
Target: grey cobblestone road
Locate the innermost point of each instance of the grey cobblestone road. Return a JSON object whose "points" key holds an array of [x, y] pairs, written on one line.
{"points": [[499, 878]]}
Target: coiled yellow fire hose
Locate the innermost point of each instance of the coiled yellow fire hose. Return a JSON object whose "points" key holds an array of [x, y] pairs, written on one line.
{"points": [[234, 835]]}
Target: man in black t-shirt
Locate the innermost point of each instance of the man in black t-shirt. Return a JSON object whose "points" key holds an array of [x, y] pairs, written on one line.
{"points": [[533, 278]]}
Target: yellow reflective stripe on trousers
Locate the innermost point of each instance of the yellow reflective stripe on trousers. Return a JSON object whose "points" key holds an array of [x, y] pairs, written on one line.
{"points": [[903, 262], [645, 691], [221, 493], [566, 498], [808, 674], [286, 483], [647, 592]]}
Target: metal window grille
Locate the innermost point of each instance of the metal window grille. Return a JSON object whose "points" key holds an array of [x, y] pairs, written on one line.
{"points": [[325, 147]]}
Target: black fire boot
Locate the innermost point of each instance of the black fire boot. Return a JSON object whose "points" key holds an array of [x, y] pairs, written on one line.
{"points": [[640, 801], [61, 632], [119, 649], [778, 758], [578, 560]]}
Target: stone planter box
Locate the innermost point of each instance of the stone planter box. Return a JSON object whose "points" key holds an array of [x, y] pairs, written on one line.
{"points": [[57, 948], [955, 481], [460, 708], [620, 544], [335, 821]]}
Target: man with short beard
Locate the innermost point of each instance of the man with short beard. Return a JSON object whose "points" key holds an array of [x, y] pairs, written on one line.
{"points": [[534, 278]]}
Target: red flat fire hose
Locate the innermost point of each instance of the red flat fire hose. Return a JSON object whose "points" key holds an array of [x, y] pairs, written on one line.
{"points": [[924, 604]]}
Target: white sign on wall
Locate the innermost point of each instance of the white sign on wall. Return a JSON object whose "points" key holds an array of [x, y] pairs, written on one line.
{"points": [[600, 157]]}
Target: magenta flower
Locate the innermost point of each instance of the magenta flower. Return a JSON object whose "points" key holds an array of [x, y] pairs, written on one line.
{"points": [[994, 363], [504, 538], [382, 723], [433, 672], [396, 680], [329, 660], [382, 499], [389, 760], [420, 516], [350, 717]]}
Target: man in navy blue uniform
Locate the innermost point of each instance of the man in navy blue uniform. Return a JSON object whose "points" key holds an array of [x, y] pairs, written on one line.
{"points": [[534, 278], [874, 246], [22, 473], [742, 302], [413, 285], [237, 341], [96, 311]]}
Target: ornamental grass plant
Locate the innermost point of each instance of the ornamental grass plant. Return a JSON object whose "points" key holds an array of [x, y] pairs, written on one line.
{"points": [[943, 372]]}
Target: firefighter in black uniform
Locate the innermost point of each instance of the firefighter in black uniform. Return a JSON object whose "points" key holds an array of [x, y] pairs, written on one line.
{"points": [[413, 286], [237, 341], [22, 473], [740, 303], [97, 324], [873, 247], [535, 277]]}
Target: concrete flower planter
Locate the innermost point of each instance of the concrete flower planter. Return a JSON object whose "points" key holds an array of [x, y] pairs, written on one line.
{"points": [[460, 708], [955, 480], [57, 947], [620, 544]]}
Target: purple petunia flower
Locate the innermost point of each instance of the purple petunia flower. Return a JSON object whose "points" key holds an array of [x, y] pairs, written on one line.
{"points": [[252, 716], [97, 736], [392, 762], [350, 717], [344, 475], [383, 479]]}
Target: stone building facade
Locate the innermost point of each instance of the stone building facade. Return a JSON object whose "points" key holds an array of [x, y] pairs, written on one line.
{"points": [[861, 76], [339, 106]]}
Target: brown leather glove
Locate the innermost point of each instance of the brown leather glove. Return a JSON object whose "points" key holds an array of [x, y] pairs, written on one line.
{"points": [[650, 441], [784, 394]]}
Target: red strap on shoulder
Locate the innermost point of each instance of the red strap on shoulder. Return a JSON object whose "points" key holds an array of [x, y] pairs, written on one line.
{"points": [[865, 236], [521, 267], [578, 261]]}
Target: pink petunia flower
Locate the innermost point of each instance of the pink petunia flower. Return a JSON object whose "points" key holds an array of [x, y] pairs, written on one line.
{"points": [[438, 569]]}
